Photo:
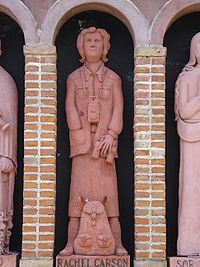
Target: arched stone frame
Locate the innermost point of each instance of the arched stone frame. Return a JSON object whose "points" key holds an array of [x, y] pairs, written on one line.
{"points": [[125, 11], [42, 55], [66, 9], [12, 61], [149, 76], [154, 58], [122, 63], [20, 13], [170, 12]]}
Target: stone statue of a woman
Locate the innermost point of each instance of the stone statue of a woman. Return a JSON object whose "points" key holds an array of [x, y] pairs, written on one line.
{"points": [[8, 155], [187, 109], [94, 109]]}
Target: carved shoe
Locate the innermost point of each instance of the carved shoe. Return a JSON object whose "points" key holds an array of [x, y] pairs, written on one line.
{"points": [[68, 250], [120, 250]]}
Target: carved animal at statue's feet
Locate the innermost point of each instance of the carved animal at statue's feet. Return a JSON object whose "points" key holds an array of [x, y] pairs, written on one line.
{"points": [[94, 236]]}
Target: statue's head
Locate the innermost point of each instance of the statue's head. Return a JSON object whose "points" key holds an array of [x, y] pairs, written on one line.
{"points": [[194, 51], [93, 45], [194, 59]]}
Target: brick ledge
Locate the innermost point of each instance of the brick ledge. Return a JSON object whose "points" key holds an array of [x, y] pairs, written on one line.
{"points": [[150, 263], [150, 51], [36, 263], [39, 49]]}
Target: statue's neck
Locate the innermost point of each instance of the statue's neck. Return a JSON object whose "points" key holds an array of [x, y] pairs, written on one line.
{"points": [[93, 66]]}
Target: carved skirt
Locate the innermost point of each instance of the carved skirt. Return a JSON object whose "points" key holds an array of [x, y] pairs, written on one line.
{"points": [[93, 179], [189, 199]]}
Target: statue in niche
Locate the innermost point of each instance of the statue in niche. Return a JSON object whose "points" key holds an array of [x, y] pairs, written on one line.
{"points": [[187, 110], [8, 155], [94, 110]]}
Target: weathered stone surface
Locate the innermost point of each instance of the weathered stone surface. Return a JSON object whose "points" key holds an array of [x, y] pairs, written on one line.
{"points": [[36, 263], [150, 51], [150, 263], [33, 49]]}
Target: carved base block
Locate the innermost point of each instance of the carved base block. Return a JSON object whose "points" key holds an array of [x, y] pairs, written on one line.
{"points": [[92, 261], [9, 260], [150, 263], [193, 261], [36, 262]]}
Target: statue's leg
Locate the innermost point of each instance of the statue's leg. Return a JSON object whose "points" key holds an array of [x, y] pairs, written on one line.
{"points": [[3, 212], [2, 232], [9, 225], [116, 231], [73, 228]]}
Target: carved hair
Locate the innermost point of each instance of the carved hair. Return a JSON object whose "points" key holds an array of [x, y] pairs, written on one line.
{"points": [[106, 42], [188, 67]]}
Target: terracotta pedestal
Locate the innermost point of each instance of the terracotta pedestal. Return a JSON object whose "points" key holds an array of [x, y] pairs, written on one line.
{"points": [[184, 261], [92, 261], [9, 260]]}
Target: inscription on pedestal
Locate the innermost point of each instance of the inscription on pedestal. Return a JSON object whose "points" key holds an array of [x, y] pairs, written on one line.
{"points": [[184, 261], [92, 261]]}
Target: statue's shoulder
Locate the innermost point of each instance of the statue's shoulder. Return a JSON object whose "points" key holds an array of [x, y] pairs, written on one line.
{"points": [[75, 74], [112, 75], [6, 81], [5, 76]]}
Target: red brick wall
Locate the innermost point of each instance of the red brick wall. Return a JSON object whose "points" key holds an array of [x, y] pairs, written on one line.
{"points": [[149, 134], [40, 152]]}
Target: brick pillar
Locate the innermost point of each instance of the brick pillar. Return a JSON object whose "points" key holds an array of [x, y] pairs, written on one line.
{"points": [[149, 133], [39, 156]]}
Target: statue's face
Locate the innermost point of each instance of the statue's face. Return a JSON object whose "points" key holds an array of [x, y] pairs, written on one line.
{"points": [[93, 46]]}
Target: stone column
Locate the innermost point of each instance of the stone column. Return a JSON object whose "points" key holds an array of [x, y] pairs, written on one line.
{"points": [[39, 156], [149, 133]]}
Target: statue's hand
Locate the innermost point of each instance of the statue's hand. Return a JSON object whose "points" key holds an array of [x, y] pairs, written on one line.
{"points": [[106, 145], [6, 165]]}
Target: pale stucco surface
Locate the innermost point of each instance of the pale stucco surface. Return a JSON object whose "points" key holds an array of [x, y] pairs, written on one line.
{"points": [[148, 8]]}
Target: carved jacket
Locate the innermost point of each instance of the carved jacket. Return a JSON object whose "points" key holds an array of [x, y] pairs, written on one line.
{"points": [[81, 84]]}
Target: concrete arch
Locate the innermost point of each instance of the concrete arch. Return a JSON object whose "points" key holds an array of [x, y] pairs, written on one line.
{"points": [[124, 10], [170, 12], [21, 14]]}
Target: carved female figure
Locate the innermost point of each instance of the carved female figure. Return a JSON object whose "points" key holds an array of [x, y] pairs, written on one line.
{"points": [[187, 109], [8, 155], [94, 109]]}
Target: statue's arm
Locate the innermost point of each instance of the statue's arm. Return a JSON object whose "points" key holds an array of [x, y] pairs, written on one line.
{"points": [[73, 119], [187, 108], [116, 123], [7, 162]]}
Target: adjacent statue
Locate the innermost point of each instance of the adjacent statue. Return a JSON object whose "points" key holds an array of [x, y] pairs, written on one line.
{"points": [[94, 110], [8, 155], [187, 109]]}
